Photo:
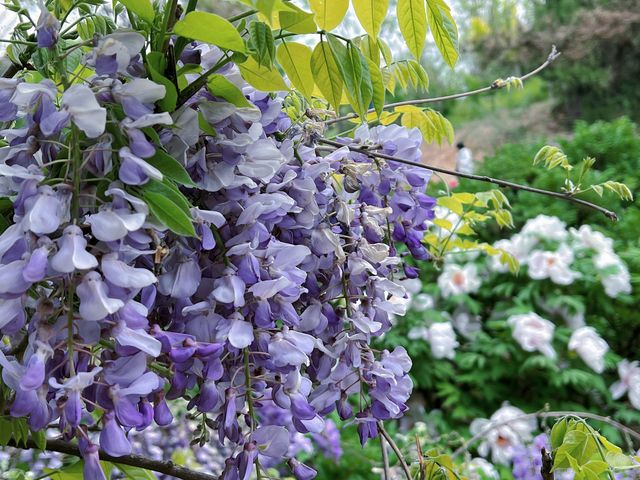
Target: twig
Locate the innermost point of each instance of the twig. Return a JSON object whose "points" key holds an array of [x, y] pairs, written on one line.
{"points": [[167, 468], [546, 470], [496, 85], [479, 178], [385, 459], [395, 449], [542, 414]]}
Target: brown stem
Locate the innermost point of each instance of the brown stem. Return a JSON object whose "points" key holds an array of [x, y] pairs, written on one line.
{"points": [[479, 178], [546, 470], [496, 85], [395, 449], [168, 468]]}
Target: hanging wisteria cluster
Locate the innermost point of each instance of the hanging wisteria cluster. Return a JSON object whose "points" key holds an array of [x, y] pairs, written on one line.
{"points": [[258, 312]]}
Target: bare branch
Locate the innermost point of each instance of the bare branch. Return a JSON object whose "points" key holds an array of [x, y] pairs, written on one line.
{"points": [[385, 459], [496, 85], [480, 178], [168, 468], [543, 414], [395, 449]]}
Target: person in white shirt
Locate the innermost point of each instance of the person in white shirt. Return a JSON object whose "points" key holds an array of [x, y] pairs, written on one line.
{"points": [[464, 159]]}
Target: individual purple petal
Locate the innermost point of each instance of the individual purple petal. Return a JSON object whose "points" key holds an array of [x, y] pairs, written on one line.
{"points": [[43, 211], [161, 413], [72, 254], [134, 170], [182, 280], [84, 109], [91, 470], [122, 275], [95, 303], [11, 280], [301, 471], [46, 28], [112, 438], [137, 338], [139, 144], [110, 225], [36, 268], [241, 333]]}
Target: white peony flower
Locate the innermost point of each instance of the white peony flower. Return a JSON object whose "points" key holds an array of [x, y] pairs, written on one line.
{"points": [[533, 333], [510, 430], [519, 246], [465, 323], [545, 227], [553, 265], [456, 280], [422, 302], [591, 347], [442, 340], [614, 283], [419, 333], [480, 469], [629, 373], [586, 237]]}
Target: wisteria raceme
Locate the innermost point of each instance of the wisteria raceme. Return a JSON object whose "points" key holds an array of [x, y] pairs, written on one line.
{"points": [[261, 322]]}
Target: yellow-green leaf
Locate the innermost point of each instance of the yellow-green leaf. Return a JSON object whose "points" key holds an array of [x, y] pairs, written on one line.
{"points": [[444, 30], [296, 20], [412, 19], [295, 59], [210, 28], [452, 204], [329, 13], [371, 14], [377, 85], [261, 77], [142, 8], [326, 74]]}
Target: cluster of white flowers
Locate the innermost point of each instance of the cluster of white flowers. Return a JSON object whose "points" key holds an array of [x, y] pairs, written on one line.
{"points": [[507, 428]]}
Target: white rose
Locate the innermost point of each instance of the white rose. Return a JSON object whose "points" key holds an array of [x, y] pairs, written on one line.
{"points": [[545, 227], [442, 340], [553, 265]]}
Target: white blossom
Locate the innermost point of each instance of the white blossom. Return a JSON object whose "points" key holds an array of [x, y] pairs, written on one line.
{"points": [[591, 347], [586, 237], [465, 323], [422, 302], [545, 227], [555, 266], [519, 246], [456, 280], [629, 382], [510, 430], [442, 340], [533, 333], [480, 469]]}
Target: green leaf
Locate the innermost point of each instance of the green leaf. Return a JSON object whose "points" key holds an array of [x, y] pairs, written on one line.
{"points": [[377, 85], [329, 13], [552, 157], [355, 74], [296, 20], [170, 167], [578, 445], [261, 40], [619, 189], [558, 432], [156, 64], [40, 439], [219, 86], [6, 431], [170, 214], [295, 59], [327, 74], [136, 473], [210, 28], [142, 8], [371, 14], [262, 78], [444, 30], [412, 19]]}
